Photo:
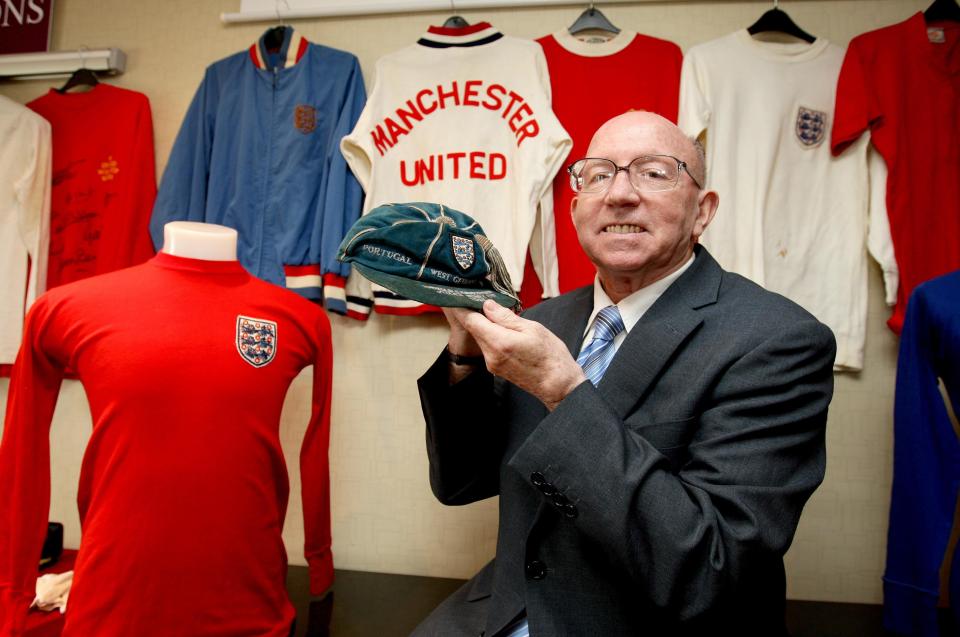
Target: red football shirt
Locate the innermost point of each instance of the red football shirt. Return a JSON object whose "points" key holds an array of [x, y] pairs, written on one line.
{"points": [[903, 84], [592, 82], [183, 487], [104, 181]]}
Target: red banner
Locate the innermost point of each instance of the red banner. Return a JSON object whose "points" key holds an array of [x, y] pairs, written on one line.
{"points": [[25, 25]]}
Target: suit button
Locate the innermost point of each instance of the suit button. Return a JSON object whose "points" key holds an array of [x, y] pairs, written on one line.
{"points": [[537, 479], [570, 511], [560, 500], [536, 569], [548, 489]]}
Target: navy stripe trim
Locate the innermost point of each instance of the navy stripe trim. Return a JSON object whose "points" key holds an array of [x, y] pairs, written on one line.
{"points": [[446, 45], [358, 300]]}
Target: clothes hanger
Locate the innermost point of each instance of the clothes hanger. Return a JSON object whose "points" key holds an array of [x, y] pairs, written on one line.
{"points": [[81, 77], [455, 21], [942, 11], [778, 21], [592, 19], [273, 37]]}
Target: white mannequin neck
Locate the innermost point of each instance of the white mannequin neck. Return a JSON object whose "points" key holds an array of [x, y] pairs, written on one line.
{"points": [[194, 240]]}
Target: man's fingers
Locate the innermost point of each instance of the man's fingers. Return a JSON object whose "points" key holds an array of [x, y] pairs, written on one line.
{"points": [[502, 316]]}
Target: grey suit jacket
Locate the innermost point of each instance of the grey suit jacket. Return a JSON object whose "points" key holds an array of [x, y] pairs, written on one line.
{"points": [[660, 502]]}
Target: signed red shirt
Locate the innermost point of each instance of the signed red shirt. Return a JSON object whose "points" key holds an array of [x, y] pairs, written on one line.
{"points": [[104, 181]]}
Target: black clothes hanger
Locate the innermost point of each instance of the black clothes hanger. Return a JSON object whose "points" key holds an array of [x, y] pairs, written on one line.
{"points": [[81, 77], [455, 22], [592, 19], [942, 11], [778, 21]]}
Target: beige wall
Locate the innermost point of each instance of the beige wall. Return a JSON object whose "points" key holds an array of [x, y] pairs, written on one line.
{"points": [[384, 517]]}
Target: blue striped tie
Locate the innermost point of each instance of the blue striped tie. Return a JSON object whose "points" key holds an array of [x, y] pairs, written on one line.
{"points": [[599, 352]]}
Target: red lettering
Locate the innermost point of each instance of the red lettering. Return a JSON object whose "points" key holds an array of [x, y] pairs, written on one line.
{"points": [[456, 157], [403, 174], [514, 98], [470, 91], [407, 116], [518, 115], [394, 129], [424, 109], [476, 165], [426, 174], [530, 129], [496, 102], [498, 166], [441, 96], [380, 140]]}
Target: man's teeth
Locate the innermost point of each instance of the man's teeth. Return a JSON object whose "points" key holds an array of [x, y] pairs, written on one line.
{"points": [[623, 229]]}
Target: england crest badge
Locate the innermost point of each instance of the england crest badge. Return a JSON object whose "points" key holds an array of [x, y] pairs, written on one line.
{"points": [[256, 340], [811, 126], [305, 118], [462, 251]]}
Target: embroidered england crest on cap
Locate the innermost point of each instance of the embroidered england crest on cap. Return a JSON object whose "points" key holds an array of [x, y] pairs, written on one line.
{"points": [[462, 251], [811, 126], [256, 340], [305, 118]]}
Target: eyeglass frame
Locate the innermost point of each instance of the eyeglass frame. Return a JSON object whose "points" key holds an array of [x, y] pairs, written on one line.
{"points": [[682, 166]]}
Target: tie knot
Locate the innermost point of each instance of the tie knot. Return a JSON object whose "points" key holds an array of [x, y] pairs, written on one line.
{"points": [[608, 323]]}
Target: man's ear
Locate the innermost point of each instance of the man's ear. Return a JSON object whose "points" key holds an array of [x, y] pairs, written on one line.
{"points": [[706, 209]]}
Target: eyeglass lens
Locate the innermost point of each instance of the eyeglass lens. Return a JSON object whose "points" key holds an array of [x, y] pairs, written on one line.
{"points": [[646, 173]]}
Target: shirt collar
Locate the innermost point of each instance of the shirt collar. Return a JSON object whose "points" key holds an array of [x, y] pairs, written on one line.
{"points": [[292, 49], [445, 37], [633, 307]]}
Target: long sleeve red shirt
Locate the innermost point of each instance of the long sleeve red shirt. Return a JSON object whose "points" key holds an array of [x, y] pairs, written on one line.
{"points": [[183, 488]]}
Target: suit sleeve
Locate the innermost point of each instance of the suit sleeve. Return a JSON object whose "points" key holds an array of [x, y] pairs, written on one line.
{"points": [[343, 196], [465, 435], [183, 190], [688, 536], [315, 467], [25, 469]]}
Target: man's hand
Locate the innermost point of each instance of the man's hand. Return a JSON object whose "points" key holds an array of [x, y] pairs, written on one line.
{"points": [[520, 351]]}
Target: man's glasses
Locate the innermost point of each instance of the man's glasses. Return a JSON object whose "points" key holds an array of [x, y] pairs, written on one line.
{"points": [[650, 173]]}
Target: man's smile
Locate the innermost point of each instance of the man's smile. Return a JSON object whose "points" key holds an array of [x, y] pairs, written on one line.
{"points": [[623, 229]]}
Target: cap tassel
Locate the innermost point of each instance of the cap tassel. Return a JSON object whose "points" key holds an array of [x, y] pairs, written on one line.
{"points": [[498, 276]]}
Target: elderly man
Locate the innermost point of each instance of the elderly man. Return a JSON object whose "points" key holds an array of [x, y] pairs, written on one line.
{"points": [[653, 437]]}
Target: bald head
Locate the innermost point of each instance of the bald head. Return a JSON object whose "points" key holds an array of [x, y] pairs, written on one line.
{"points": [[660, 131]]}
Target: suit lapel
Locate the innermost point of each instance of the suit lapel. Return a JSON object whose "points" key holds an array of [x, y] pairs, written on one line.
{"points": [[569, 320], [655, 337]]}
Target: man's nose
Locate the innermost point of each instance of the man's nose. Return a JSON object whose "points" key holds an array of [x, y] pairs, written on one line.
{"points": [[621, 189]]}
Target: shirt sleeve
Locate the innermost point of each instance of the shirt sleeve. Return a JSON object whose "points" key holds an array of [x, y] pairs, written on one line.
{"points": [[694, 109], [879, 240], [144, 191], [343, 196], [183, 190], [670, 89], [315, 466], [25, 468], [856, 108], [554, 151], [926, 467], [33, 199]]}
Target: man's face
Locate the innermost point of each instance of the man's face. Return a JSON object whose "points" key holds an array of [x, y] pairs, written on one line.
{"points": [[640, 236]]}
